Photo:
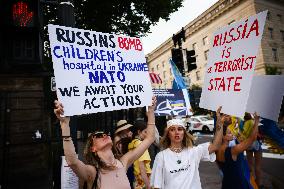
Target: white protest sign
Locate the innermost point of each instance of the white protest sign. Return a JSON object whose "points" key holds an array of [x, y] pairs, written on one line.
{"points": [[231, 63], [69, 180], [266, 96], [98, 72]]}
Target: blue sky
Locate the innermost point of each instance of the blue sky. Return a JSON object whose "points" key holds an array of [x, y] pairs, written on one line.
{"points": [[164, 30]]}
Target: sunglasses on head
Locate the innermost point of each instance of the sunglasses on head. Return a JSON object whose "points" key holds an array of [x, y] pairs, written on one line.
{"points": [[100, 134]]}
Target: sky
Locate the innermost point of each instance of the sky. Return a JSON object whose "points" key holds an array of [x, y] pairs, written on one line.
{"points": [[165, 30]]}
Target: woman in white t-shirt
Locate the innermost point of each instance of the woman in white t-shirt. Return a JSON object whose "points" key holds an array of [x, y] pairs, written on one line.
{"points": [[176, 167]]}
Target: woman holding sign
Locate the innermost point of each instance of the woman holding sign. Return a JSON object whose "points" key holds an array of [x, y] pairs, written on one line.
{"points": [[103, 170], [176, 167], [231, 159]]}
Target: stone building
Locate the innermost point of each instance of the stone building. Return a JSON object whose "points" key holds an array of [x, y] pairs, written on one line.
{"points": [[199, 32]]}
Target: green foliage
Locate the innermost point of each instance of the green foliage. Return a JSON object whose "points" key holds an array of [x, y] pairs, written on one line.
{"points": [[130, 17], [272, 70]]}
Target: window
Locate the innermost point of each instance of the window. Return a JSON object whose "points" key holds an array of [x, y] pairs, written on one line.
{"points": [[152, 69], [194, 46], [197, 75], [163, 64], [164, 74], [268, 15], [282, 34], [205, 40], [279, 16], [274, 55], [206, 54], [157, 67], [270, 31]]}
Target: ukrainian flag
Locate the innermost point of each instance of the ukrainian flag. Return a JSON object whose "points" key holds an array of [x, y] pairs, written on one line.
{"points": [[177, 103]]}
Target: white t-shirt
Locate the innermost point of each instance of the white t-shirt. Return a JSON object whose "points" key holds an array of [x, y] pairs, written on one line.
{"points": [[180, 170]]}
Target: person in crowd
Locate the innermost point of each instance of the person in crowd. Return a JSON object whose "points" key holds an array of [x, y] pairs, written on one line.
{"points": [[142, 170], [103, 170], [254, 152], [123, 129], [122, 137], [176, 166], [231, 159]]}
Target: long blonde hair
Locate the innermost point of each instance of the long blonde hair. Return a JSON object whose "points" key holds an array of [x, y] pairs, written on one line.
{"points": [[187, 141]]}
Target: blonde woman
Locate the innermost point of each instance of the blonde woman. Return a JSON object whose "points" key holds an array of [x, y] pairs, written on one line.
{"points": [[103, 170], [177, 165]]}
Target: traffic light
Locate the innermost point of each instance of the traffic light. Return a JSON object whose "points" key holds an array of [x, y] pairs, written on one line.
{"points": [[21, 35], [191, 61], [177, 58]]}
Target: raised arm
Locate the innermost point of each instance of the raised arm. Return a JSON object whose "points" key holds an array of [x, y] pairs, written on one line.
{"points": [[133, 155], [86, 172], [239, 148], [218, 134]]}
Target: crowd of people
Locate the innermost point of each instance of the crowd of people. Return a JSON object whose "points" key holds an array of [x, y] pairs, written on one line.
{"points": [[127, 161]]}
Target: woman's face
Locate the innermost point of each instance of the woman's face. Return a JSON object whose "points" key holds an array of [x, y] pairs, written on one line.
{"points": [[125, 133], [101, 141], [229, 136], [176, 134], [142, 134]]}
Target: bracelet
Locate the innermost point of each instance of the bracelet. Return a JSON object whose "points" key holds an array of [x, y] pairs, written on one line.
{"points": [[66, 140], [64, 137], [151, 124]]}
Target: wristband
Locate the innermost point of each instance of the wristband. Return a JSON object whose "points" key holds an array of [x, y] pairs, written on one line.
{"points": [[151, 124], [64, 137]]}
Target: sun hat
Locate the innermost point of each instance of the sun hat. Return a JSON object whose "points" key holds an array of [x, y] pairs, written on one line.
{"points": [[178, 122], [122, 125]]}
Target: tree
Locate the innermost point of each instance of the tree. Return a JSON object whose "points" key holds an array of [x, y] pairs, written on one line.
{"points": [[129, 17], [272, 70]]}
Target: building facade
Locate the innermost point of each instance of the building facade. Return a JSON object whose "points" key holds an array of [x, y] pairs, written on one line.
{"points": [[199, 33]]}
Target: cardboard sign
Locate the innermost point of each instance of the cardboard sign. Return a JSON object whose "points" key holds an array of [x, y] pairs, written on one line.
{"points": [[172, 102], [231, 63], [98, 72], [266, 96], [69, 180]]}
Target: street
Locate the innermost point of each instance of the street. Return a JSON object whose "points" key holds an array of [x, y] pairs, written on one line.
{"points": [[272, 168]]}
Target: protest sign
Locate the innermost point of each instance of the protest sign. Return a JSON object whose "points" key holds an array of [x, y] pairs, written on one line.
{"points": [[98, 72], [69, 180], [266, 96], [173, 102], [231, 63]]}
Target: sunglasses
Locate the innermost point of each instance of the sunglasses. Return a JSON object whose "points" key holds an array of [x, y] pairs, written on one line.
{"points": [[100, 134]]}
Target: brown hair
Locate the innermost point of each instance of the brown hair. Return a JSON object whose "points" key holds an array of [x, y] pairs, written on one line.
{"points": [[187, 141], [92, 158]]}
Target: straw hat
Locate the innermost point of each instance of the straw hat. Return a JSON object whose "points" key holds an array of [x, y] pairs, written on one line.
{"points": [[122, 125]]}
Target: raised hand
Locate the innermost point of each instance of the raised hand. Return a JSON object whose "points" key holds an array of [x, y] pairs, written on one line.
{"points": [[59, 112], [154, 103], [256, 117], [218, 112]]}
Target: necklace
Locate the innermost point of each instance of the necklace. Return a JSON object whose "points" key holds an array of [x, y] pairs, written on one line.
{"points": [[177, 152]]}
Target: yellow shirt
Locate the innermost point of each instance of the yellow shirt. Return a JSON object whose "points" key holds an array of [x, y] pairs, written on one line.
{"points": [[247, 129], [145, 157], [236, 131]]}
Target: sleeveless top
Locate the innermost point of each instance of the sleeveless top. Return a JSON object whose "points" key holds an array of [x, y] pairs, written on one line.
{"points": [[236, 173], [115, 179]]}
